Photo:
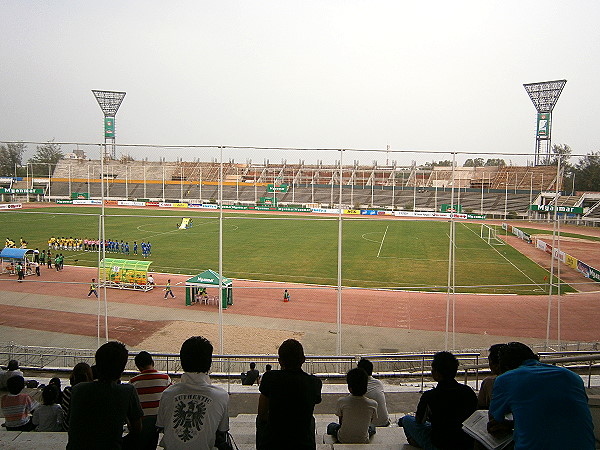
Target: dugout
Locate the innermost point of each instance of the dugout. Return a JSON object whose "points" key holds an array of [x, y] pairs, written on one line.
{"points": [[10, 256], [207, 279], [125, 274]]}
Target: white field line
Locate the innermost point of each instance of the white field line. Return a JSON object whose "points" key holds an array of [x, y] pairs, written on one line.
{"points": [[508, 260], [383, 239]]}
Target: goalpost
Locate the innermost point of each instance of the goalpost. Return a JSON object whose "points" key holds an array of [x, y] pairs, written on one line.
{"points": [[489, 235]]}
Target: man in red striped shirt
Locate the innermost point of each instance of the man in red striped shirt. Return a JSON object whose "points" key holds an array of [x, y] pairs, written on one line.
{"points": [[150, 385]]}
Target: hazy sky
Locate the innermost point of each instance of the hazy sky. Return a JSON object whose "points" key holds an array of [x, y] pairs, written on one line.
{"points": [[436, 75]]}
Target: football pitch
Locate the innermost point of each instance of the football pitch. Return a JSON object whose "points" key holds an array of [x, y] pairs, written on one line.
{"points": [[376, 253]]}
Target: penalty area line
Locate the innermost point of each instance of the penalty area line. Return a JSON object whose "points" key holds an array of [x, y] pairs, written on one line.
{"points": [[383, 239]]}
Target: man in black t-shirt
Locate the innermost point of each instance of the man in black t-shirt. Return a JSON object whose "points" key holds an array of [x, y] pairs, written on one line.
{"points": [[250, 377], [442, 410], [286, 404]]}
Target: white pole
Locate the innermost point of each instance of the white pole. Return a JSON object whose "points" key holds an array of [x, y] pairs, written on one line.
{"points": [[339, 269], [221, 344], [450, 288]]}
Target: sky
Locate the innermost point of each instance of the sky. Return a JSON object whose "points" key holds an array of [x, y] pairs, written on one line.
{"points": [[433, 76]]}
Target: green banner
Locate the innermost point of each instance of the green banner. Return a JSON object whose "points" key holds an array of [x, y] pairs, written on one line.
{"points": [[476, 216], [560, 209], [21, 191], [268, 201], [109, 127], [451, 209], [80, 195], [543, 124], [277, 188]]}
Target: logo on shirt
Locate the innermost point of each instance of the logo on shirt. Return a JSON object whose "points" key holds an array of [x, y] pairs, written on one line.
{"points": [[188, 416]]}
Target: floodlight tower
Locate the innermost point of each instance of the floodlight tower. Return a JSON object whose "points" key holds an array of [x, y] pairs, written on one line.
{"points": [[109, 102], [544, 96]]}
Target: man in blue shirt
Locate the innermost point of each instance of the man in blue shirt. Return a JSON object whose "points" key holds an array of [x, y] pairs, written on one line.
{"points": [[549, 404]]}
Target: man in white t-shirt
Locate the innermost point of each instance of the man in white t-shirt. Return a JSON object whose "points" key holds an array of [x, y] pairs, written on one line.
{"points": [[193, 413], [375, 392]]}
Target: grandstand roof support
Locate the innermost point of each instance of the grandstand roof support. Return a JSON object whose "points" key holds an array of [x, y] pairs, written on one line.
{"points": [[544, 96]]}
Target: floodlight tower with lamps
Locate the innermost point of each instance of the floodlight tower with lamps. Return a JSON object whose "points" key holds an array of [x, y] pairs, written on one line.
{"points": [[544, 96], [109, 102]]}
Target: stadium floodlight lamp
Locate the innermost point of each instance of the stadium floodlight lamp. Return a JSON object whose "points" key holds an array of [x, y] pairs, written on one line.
{"points": [[544, 96], [109, 102]]}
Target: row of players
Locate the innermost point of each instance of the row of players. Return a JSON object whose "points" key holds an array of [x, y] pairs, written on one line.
{"points": [[94, 245]]}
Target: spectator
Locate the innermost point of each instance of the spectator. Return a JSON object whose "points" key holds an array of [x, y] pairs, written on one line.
{"points": [[17, 406], [549, 403], [11, 370], [194, 413], [49, 416], [81, 373], [99, 409], [485, 392], [356, 411], [248, 378], [375, 392], [286, 403], [268, 367], [150, 385], [56, 382], [441, 410]]}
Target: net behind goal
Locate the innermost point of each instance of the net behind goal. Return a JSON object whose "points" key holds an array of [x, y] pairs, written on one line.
{"points": [[489, 234]]}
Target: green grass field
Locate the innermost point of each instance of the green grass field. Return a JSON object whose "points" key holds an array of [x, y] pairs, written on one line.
{"points": [[376, 253]]}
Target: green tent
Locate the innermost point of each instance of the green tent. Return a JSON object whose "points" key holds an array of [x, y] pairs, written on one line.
{"points": [[208, 278], [125, 274]]}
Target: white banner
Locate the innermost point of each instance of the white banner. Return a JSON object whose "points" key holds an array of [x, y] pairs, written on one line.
{"points": [[87, 202], [12, 206]]}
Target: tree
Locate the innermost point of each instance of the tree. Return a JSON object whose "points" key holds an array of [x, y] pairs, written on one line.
{"points": [[587, 173], [477, 162], [562, 151], [11, 156], [495, 162], [49, 153]]}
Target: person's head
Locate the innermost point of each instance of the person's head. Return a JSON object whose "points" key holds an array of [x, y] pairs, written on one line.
{"points": [[111, 359], [291, 354], [15, 384], [513, 354], [55, 382], [444, 366], [366, 365], [143, 361], [268, 367], [357, 380], [13, 364], [494, 358], [196, 354], [252, 366], [49, 394]]}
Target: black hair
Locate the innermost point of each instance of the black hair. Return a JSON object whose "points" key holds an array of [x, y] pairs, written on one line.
{"points": [[446, 364], [291, 354], [111, 359], [494, 353], [15, 384], [143, 359], [366, 365], [357, 380], [55, 381], [13, 364], [268, 367], [514, 354], [252, 365], [196, 354], [50, 394]]}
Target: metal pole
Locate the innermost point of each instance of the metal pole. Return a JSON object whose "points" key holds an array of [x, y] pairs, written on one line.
{"points": [[339, 268], [221, 344]]}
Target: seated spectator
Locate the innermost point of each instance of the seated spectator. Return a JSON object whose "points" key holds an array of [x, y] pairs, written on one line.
{"points": [[375, 392], [441, 410], [485, 392], [193, 413], [99, 409], [81, 373], [50, 415], [56, 382], [17, 406], [150, 385], [268, 367], [356, 411], [548, 403], [286, 403], [250, 377], [11, 370]]}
